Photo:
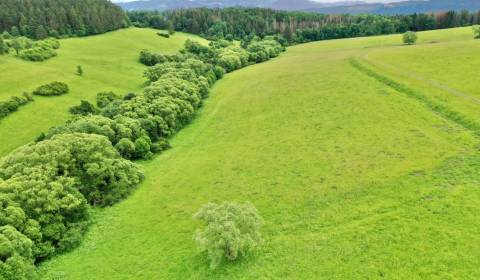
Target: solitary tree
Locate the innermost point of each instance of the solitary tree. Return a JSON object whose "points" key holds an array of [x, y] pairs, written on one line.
{"points": [[170, 28], [3, 47], [231, 230], [410, 38], [79, 70], [17, 44], [476, 31], [14, 31]]}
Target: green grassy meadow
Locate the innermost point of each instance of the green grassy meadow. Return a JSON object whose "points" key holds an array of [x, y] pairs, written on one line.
{"points": [[110, 62], [354, 178]]}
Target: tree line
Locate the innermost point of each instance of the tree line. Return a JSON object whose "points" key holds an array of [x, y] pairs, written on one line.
{"points": [[40, 19], [296, 27]]}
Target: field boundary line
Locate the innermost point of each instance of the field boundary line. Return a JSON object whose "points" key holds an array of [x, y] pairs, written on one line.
{"points": [[436, 107], [414, 75]]}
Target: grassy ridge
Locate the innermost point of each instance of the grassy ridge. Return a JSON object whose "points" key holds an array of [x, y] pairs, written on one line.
{"points": [[110, 62], [354, 179]]}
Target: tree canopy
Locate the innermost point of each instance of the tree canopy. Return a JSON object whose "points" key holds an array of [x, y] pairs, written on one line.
{"points": [[40, 19]]}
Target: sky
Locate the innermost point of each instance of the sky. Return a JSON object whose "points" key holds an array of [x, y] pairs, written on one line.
{"points": [[321, 1]]}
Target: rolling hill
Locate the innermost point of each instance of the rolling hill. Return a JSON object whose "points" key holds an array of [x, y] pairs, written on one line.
{"points": [[360, 154]]}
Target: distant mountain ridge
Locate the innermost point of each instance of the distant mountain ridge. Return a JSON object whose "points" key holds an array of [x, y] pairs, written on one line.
{"points": [[351, 7], [406, 7], [273, 4]]}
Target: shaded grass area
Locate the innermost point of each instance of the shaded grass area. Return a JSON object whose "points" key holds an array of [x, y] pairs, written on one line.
{"points": [[353, 179]]}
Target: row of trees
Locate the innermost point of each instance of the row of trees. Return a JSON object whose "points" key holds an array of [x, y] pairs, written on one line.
{"points": [[40, 19], [47, 187], [296, 27]]}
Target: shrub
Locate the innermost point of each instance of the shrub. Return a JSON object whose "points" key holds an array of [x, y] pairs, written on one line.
{"points": [[52, 89], [126, 148], [15, 255], [165, 35], [36, 54], [232, 58], [410, 38], [35, 50], [3, 46], [79, 70], [51, 42], [262, 50], [11, 105], [105, 98], [148, 58], [85, 108], [232, 230], [476, 31]]}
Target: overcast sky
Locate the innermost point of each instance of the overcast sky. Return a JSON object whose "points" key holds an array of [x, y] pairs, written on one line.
{"points": [[324, 1]]}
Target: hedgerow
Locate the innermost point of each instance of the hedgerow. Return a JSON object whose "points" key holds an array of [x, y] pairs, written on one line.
{"points": [[48, 187]]}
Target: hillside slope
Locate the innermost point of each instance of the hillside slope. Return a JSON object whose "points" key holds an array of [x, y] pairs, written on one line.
{"points": [[110, 63], [356, 179]]}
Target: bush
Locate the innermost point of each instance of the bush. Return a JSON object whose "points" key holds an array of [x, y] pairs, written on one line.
{"points": [[410, 38], [11, 105], [52, 89], [36, 54], [165, 35], [15, 255], [476, 31], [105, 98], [79, 71], [35, 50], [85, 108], [3, 46], [232, 58], [262, 50], [150, 59], [232, 230]]}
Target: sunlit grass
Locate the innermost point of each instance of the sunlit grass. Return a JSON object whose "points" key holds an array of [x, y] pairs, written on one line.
{"points": [[354, 179]]}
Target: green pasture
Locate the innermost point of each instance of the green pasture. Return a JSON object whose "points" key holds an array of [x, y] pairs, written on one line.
{"points": [[354, 178]]}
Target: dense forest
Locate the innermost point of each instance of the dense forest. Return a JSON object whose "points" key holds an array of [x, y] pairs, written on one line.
{"points": [[296, 27], [40, 19]]}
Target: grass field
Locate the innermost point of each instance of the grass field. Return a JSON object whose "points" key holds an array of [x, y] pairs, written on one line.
{"points": [[110, 62], [355, 178]]}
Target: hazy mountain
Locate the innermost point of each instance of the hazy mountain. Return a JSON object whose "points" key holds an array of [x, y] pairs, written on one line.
{"points": [[274, 4], [352, 7], [407, 7]]}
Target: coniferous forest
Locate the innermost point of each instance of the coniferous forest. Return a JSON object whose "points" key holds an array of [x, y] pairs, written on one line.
{"points": [[59, 18], [296, 27]]}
